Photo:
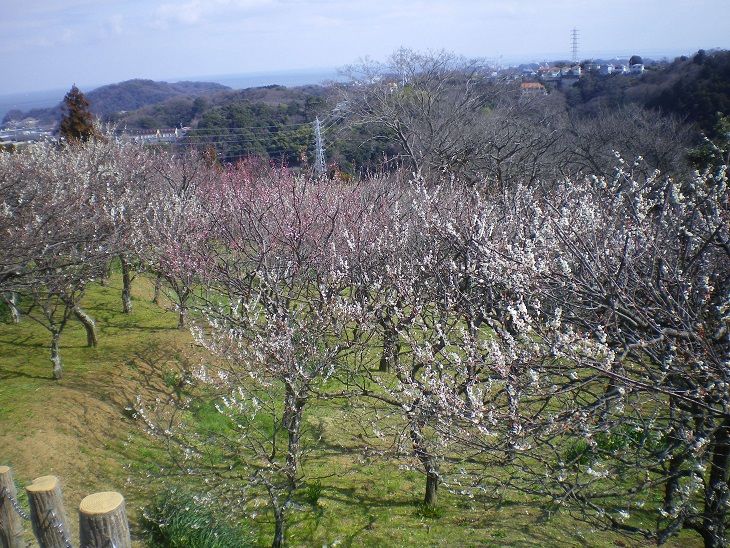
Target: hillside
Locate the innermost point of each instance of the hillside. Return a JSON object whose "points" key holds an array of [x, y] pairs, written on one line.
{"points": [[273, 121], [191, 110], [123, 96], [80, 429], [694, 89]]}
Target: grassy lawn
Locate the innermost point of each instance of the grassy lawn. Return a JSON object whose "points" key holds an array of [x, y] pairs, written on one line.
{"points": [[77, 428]]}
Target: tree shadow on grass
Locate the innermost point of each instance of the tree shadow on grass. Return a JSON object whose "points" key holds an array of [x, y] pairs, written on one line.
{"points": [[310, 523], [110, 319], [351, 497], [142, 372], [8, 373], [24, 341]]}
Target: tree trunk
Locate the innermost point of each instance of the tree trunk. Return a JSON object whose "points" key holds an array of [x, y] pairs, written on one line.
{"points": [[292, 421], [278, 528], [432, 484], [671, 487], [56, 354], [107, 273], [158, 287], [428, 462], [513, 399], [391, 349], [126, 286], [11, 299], [88, 323], [181, 319], [716, 492]]}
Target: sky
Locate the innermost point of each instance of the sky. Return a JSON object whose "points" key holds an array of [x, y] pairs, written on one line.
{"points": [[51, 44]]}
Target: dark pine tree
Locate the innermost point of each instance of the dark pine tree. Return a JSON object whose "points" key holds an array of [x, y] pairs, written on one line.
{"points": [[77, 123]]}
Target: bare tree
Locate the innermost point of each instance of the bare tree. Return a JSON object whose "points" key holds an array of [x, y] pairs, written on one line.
{"points": [[595, 138], [430, 104]]}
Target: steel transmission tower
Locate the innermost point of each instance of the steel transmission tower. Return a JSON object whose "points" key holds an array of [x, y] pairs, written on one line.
{"points": [[320, 167], [574, 36]]}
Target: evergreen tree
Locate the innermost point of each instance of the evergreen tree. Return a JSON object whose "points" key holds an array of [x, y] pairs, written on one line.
{"points": [[77, 123]]}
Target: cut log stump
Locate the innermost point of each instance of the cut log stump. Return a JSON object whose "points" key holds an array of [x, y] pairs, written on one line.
{"points": [[11, 524], [103, 521], [47, 514]]}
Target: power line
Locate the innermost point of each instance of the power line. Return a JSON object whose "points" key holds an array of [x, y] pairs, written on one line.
{"points": [[232, 143], [241, 128]]}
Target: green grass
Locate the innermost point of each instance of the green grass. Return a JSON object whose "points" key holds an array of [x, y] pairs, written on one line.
{"points": [[180, 520], [82, 429]]}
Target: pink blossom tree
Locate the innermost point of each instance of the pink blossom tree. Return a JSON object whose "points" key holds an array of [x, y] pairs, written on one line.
{"points": [[169, 225], [277, 303]]}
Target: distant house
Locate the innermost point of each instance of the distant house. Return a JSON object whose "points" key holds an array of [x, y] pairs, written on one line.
{"points": [[605, 70], [571, 71], [154, 136], [532, 88], [638, 68], [549, 73], [636, 64]]}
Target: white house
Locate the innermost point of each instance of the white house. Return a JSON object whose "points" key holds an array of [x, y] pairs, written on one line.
{"points": [[638, 68]]}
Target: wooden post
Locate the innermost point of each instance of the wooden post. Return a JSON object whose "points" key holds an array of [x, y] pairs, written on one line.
{"points": [[103, 521], [47, 513], [11, 524]]}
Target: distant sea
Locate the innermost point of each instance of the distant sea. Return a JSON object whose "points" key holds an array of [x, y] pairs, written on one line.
{"points": [[288, 78], [291, 78], [31, 99]]}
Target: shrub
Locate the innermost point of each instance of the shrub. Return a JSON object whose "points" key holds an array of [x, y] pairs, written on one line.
{"points": [[313, 492], [178, 520]]}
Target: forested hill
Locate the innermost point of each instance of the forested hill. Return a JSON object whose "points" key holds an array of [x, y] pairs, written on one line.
{"points": [[695, 89], [266, 106], [124, 96], [134, 94]]}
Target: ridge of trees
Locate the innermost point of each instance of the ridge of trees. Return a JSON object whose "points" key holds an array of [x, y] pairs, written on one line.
{"points": [[183, 111], [692, 88], [123, 96]]}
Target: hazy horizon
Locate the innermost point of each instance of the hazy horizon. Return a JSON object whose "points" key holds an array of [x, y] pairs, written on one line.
{"points": [[285, 76], [42, 98], [27, 100], [49, 44]]}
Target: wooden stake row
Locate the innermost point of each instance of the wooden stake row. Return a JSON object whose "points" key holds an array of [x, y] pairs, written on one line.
{"points": [[102, 516]]}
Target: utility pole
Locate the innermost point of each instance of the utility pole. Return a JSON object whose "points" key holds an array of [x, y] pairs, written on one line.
{"points": [[574, 36], [320, 167]]}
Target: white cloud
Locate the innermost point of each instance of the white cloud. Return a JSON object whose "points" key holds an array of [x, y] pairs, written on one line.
{"points": [[114, 25], [194, 12]]}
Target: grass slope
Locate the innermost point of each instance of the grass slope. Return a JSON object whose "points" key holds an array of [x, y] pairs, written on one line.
{"points": [[77, 429]]}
